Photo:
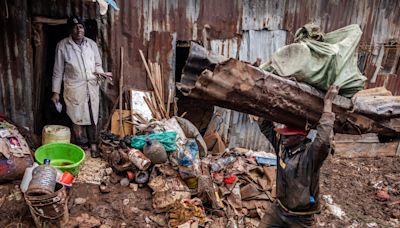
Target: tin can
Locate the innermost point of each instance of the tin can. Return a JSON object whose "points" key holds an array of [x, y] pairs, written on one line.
{"points": [[139, 159]]}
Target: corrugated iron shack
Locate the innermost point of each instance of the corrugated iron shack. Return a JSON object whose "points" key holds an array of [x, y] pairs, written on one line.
{"points": [[243, 29]]}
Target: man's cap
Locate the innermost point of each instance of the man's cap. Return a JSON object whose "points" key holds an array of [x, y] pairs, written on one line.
{"points": [[291, 131], [74, 20]]}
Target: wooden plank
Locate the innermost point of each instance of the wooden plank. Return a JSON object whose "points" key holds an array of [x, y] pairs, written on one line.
{"points": [[115, 123], [51, 21], [357, 150]]}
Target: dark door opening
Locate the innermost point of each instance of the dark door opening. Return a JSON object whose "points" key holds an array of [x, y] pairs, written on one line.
{"points": [[51, 35], [199, 112]]}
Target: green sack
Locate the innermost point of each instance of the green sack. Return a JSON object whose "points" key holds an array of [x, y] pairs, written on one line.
{"points": [[321, 59], [167, 139]]}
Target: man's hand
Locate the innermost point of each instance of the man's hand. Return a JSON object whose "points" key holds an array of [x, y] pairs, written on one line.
{"points": [[55, 98], [329, 96], [107, 75]]}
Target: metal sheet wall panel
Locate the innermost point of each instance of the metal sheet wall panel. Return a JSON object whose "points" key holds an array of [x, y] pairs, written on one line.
{"points": [[63, 9], [222, 16], [377, 18], [261, 14], [261, 44], [231, 22], [16, 63], [227, 48], [238, 130]]}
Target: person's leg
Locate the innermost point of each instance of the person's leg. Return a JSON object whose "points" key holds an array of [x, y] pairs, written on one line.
{"points": [[300, 221], [91, 131], [271, 218], [93, 140], [79, 133]]}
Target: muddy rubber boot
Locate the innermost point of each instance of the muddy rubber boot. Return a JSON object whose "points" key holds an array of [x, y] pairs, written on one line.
{"points": [[94, 152]]}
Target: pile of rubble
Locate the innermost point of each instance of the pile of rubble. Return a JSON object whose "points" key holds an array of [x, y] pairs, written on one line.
{"points": [[193, 188]]}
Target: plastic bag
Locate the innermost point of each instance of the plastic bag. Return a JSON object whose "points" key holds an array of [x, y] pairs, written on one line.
{"points": [[187, 156], [165, 138]]}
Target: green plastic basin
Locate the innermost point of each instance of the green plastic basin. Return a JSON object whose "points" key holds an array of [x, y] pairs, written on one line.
{"points": [[64, 156]]}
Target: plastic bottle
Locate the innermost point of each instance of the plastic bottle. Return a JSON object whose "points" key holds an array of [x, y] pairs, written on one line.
{"points": [[221, 163], [27, 177], [155, 151], [43, 179]]}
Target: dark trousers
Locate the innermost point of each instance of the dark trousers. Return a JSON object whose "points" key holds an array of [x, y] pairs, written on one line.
{"points": [[85, 134], [275, 218]]}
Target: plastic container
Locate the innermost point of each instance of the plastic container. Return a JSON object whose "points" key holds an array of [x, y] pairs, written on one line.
{"points": [[142, 177], [55, 134], [67, 178], [27, 177], [155, 151], [221, 163], [43, 180], [64, 156]]}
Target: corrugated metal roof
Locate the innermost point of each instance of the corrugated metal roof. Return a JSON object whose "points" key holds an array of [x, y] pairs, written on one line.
{"points": [[244, 29]]}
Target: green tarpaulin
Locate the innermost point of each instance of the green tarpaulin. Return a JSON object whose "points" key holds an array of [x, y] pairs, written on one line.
{"points": [[321, 59]]}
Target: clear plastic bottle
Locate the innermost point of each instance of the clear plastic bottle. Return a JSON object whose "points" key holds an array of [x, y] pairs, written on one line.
{"points": [[27, 177], [221, 163]]}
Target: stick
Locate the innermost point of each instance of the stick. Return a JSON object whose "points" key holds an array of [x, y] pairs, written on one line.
{"points": [[184, 114], [151, 79], [152, 108], [121, 80], [112, 112], [169, 104]]}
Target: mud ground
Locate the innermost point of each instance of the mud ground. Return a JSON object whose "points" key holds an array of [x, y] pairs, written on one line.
{"points": [[351, 183]]}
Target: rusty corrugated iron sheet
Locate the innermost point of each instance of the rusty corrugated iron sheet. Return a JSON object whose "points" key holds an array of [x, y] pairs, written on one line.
{"points": [[244, 29], [63, 9], [242, 87], [16, 83], [238, 130]]}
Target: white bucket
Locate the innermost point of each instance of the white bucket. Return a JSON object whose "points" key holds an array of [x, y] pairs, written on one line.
{"points": [[56, 134]]}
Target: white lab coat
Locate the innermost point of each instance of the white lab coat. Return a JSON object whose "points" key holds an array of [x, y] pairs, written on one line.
{"points": [[75, 64]]}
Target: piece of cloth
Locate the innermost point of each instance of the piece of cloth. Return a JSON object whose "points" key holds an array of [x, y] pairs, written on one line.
{"points": [[86, 134], [167, 139], [74, 65], [275, 217], [321, 59], [298, 170]]}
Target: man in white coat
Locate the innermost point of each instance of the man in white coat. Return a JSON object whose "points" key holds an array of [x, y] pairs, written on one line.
{"points": [[77, 63]]}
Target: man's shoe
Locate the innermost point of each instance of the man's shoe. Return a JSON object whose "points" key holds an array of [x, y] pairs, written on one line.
{"points": [[94, 152]]}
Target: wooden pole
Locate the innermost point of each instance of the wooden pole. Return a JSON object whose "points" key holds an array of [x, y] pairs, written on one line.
{"points": [[121, 86]]}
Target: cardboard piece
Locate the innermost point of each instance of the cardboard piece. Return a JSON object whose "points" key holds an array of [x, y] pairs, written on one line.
{"points": [[127, 127]]}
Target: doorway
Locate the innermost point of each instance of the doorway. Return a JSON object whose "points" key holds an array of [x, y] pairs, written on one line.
{"points": [[199, 112], [46, 37]]}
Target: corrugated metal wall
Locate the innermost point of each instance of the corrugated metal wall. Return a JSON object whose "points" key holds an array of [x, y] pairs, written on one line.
{"points": [[16, 84], [245, 29]]}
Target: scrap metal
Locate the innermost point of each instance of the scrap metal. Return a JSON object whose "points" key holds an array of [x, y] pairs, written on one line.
{"points": [[242, 87]]}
